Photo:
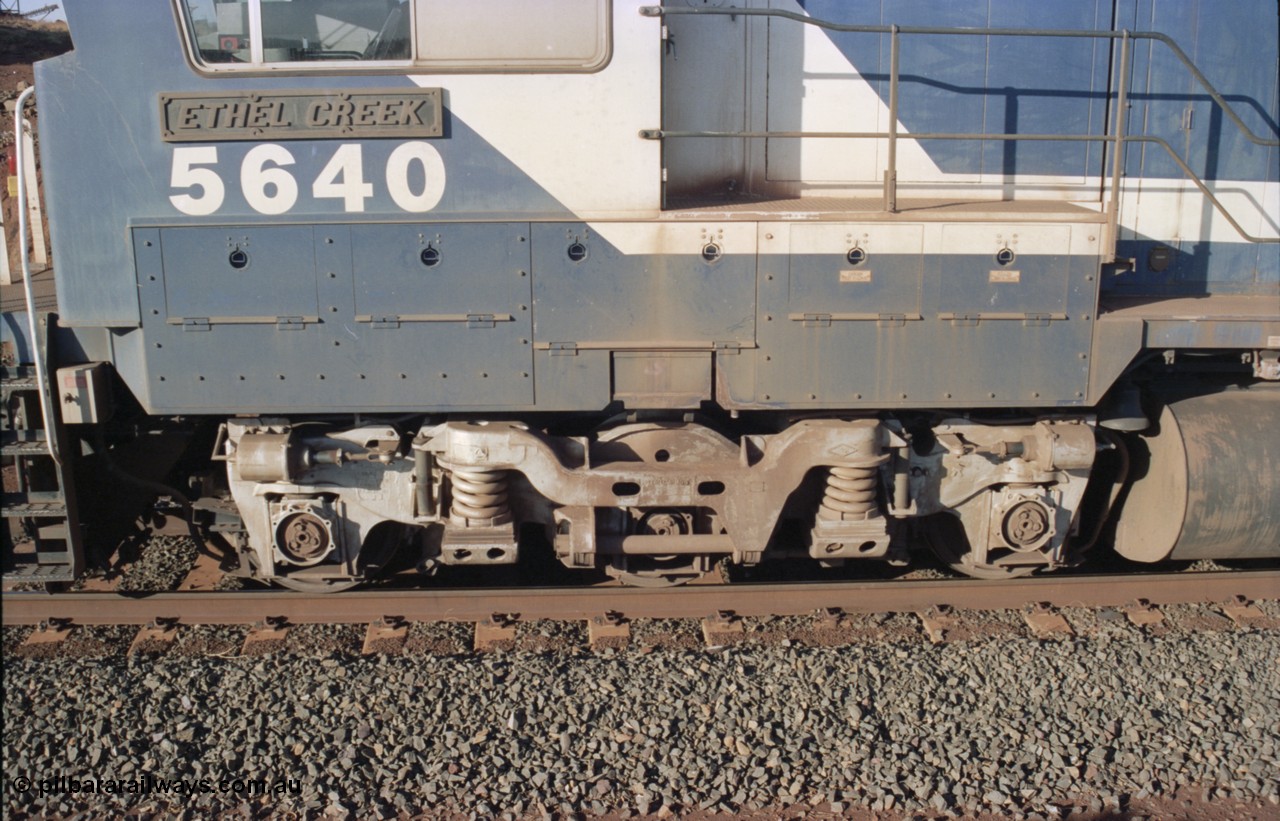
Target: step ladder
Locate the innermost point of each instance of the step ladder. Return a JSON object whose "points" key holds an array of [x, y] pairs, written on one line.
{"points": [[42, 538], [41, 542]]}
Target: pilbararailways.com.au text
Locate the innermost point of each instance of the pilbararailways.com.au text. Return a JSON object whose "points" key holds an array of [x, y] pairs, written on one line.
{"points": [[61, 784]]}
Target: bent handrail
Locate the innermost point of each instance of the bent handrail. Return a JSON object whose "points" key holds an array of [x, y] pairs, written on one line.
{"points": [[1115, 34], [42, 380]]}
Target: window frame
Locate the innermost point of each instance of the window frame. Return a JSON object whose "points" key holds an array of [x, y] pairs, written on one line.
{"points": [[259, 68]]}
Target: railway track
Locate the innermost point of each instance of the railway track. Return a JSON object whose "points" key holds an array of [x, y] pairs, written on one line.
{"points": [[253, 607]]}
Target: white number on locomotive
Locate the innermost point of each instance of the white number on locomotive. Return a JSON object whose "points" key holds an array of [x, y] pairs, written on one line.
{"points": [[271, 188]]}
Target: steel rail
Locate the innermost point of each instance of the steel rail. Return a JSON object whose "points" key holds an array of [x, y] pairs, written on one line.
{"points": [[682, 602]]}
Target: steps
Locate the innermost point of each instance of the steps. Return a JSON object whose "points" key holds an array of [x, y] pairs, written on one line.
{"points": [[42, 542]]}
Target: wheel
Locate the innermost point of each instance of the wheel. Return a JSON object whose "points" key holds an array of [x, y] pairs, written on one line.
{"points": [[377, 552], [315, 586], [945, 536], [656, 571]]}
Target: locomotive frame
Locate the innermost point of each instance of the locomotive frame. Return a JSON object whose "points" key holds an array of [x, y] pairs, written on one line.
{"points": [[406, 319]]}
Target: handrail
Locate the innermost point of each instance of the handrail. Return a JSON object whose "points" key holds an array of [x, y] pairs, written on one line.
{"points": [[1116, 34], [37, 356], [1120, 139]]}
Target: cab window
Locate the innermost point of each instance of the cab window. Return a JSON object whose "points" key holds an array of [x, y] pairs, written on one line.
{"points": [[479, 35]]}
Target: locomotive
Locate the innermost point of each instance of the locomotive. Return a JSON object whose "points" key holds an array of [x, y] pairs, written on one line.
{"points": [[377, 284]]}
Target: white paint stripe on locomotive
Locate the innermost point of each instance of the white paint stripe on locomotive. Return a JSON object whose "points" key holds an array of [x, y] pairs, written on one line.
{"points": [[939, 238], [1171, 208], [835, 97], [577, 135], [1175, 209], [607, 109], [678, 237]]}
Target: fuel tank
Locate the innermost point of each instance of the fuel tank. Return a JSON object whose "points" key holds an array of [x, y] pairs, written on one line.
{"points": [[1207, 481]]}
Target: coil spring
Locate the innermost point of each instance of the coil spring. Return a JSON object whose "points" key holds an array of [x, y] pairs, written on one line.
{"points": [[851, 492], [479, 496]]}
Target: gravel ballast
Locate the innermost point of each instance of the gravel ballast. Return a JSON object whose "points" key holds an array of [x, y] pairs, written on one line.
{"points": [[1008, 726]]}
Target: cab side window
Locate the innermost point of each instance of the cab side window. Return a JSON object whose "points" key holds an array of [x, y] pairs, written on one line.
{"points": [[443, 35]]}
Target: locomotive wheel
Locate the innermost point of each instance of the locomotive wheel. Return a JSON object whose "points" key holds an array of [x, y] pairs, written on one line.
{"points": [[945, 536], [657, 571], [315, 586], [377, 552]]}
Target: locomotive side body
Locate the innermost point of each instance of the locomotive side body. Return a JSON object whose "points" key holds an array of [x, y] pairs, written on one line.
{"points": [[660, 286]]}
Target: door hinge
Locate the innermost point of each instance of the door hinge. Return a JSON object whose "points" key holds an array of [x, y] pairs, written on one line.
{"points": [[892, 320], [563, 348], [817, 320], [290, 323], [479, 320], [195, 323], [387, 322]]}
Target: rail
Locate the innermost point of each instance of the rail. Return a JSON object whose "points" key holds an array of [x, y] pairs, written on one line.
{"points": [[1119, 139], [37, 356], [471, 604]]}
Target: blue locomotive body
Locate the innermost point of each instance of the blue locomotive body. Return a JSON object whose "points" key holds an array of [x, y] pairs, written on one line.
{"points": [[666, 284]]}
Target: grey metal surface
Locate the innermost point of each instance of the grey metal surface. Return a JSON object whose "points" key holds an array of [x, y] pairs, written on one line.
{"points": [[665, 299]]}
